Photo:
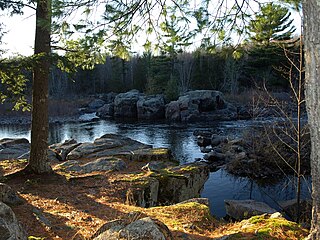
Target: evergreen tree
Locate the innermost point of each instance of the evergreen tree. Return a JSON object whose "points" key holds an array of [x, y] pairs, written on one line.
{"points": [[271, 23]]}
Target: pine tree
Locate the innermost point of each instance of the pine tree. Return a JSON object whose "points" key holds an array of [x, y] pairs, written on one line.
{"points": [[273, 23]]}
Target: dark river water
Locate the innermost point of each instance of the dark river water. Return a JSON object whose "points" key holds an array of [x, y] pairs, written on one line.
{"points": [[180, 139]]}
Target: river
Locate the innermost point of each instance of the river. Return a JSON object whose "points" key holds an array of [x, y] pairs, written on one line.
{"points": [[180, 139]]}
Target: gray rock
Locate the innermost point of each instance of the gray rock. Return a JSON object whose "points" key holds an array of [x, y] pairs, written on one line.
{"points": [[151, 107], [144, 193], [144, 228], [243, 209], [152, 154], [182, 183], [154, 166], [172, 111], [63, 149], [208, 100], [106, 111], [108, 97], [200, 105], [133, 227], [107, 145], [87, 117], [217, 140], [10, 228], [14, 148], [101, 164], [125, 104], [8, 195], [104, 164], [215, 156], [96, 104]]}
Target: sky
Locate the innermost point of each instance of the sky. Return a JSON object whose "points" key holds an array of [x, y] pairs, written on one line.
{"points": [[21, 30]]}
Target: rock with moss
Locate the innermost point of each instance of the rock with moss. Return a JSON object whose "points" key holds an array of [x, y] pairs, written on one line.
{"points": [[243, 209], [168, 186], [180, 183], [10, 228], [152, 154], [143, 193], [133, 226]]}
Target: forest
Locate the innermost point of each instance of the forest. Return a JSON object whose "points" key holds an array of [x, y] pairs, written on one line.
{"points": [[101, 139]]}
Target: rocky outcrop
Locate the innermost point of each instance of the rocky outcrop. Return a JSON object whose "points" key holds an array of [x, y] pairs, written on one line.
{"points": [[133, 226], [172, 111], [95, 105], [125, 104], [151, 107], [8, 195], [63, 149], [10, 228], [101, 164], [200, 105], [169, 186], [143, 193], [107, 145], [182, 182], [14, 148], [152, 154], [243, 209], [106, 111]]}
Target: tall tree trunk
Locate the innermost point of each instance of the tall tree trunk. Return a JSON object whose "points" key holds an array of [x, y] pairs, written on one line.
{"points": [[38, 162], [311, 13]]}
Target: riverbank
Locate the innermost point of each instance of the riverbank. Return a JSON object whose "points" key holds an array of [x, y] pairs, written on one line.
{"points": [[71, 205]]}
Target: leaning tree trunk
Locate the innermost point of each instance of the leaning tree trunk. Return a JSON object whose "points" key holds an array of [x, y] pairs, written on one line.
{"points": [[38, 162], [311, 13]]}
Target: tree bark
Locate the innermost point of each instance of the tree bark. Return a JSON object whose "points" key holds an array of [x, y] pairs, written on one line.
{"points": [[311, 13], [38, 162]]}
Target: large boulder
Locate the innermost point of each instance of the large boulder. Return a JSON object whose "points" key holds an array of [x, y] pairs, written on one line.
{"points": [[14, 148], [243, 209], [133, 226], [106, 111], [125, 104], [108, 97], [10, 228], [200, 105], [151, 107], [168, 186], [107, 145], [207, 100], [143, 193], [95, 104], [183, 182], [172, 111]]}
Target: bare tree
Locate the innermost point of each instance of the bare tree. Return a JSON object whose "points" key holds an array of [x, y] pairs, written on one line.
{"points": [[184, 65]]}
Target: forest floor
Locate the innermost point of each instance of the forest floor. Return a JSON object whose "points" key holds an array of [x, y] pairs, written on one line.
{"points": [[61, 206]]}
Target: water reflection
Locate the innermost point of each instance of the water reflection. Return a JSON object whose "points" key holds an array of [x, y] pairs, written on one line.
{"points": [[241, 188]]}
